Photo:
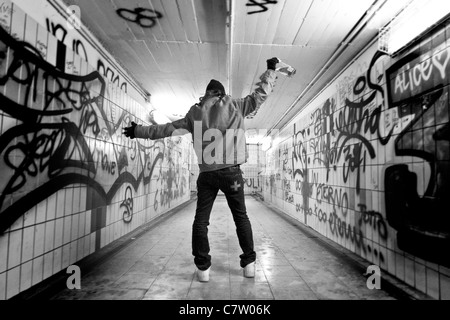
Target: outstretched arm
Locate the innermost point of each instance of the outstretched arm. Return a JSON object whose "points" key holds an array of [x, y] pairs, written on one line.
{"points": [[251, 104], [154, 132]]}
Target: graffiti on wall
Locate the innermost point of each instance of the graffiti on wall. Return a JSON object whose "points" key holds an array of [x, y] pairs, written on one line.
{"points": [[78, 46], [111, 76], [371, 162], [61, 131], [60, 33], [127, 206], [252, 184], [415, 208], [173, 180]]}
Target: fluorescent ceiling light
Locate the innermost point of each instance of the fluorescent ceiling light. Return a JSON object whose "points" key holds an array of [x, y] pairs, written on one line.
{"points": [[169, 106], [412, 22]]}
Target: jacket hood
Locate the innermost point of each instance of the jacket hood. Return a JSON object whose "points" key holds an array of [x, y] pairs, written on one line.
{"points": [[215, 85]]}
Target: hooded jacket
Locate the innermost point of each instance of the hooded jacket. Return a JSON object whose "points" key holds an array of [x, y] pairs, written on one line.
{"points": [[217, 126]]}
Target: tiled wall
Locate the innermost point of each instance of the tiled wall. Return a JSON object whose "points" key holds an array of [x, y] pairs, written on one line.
{"points": [[252, 170], [70, 183], [366, 163]]}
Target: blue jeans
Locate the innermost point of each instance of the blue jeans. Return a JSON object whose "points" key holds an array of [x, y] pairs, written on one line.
{"points": [[231, 183]]}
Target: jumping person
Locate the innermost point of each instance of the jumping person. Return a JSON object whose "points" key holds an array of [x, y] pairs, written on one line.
{"points": [[217, 127]]}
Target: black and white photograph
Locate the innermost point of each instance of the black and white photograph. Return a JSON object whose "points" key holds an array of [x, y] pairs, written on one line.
{"points": [[224, 158]]}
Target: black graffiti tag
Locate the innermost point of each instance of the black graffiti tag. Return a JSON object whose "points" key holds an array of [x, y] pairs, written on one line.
{"points": [[109, 74], [261, 5], [146, 18], [128, 205], [61, 33], [57, 30], [374, 219]]}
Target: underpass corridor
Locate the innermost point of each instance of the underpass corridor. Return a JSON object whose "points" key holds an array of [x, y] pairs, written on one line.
{"points": [[292, 263]]}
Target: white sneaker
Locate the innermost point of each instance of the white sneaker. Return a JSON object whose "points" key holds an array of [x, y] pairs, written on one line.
{"points": [[249, 270], [203, 276]]}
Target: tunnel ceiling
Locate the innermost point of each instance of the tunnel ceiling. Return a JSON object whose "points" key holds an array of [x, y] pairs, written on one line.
{"points": [[173, 48]]}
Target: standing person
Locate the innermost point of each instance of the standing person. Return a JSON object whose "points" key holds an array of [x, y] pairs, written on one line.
{"points": [[217, 127]]}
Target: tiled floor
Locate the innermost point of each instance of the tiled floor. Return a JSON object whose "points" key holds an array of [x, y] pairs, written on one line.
{"points": [[291, 265]]}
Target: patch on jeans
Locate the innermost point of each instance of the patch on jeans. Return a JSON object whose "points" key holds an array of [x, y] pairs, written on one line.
{"points": [[235, 187]]}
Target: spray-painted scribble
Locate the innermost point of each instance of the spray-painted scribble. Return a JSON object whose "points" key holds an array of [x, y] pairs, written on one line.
{"points": [[144, 17], [261, 4], [127, 206], [111, 76], [56, 30]]}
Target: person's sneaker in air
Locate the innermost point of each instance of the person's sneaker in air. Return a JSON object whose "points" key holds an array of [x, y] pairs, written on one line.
{"points": [[203, 276], [249, 270]]}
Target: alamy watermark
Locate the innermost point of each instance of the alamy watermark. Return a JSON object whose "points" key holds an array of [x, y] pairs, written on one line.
{"points": [[374, 277], [74, 20], [74, 281], [214, 146]]}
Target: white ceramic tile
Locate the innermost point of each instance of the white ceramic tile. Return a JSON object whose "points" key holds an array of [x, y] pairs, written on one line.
{"points": [[81, 224], [420, 277], [59, 230], [87, 228], [39, 239], [26, 273], [13, 282], [65, 256], [445, 288], [68, 202], [28, 243], [75, 226], [41, 211], [67, 229], [60, 203], [108, 215], [57, 260], [83, 192], [49, 236], [400, 266], [4, 237], [48, 265], [38, 267], [409, 272], [51, 207], [93, 235], [102, 237], [29, 218], [14, 249], [383, 257], [3, 286], [73, 252], [432, 283], [76, 200], [80, 248]]}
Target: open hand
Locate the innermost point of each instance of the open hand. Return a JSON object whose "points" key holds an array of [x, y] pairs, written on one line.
{"points": [[129, 131]]}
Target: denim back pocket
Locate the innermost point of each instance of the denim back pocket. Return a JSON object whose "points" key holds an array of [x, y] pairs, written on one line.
{"points": [[231, 180]]}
